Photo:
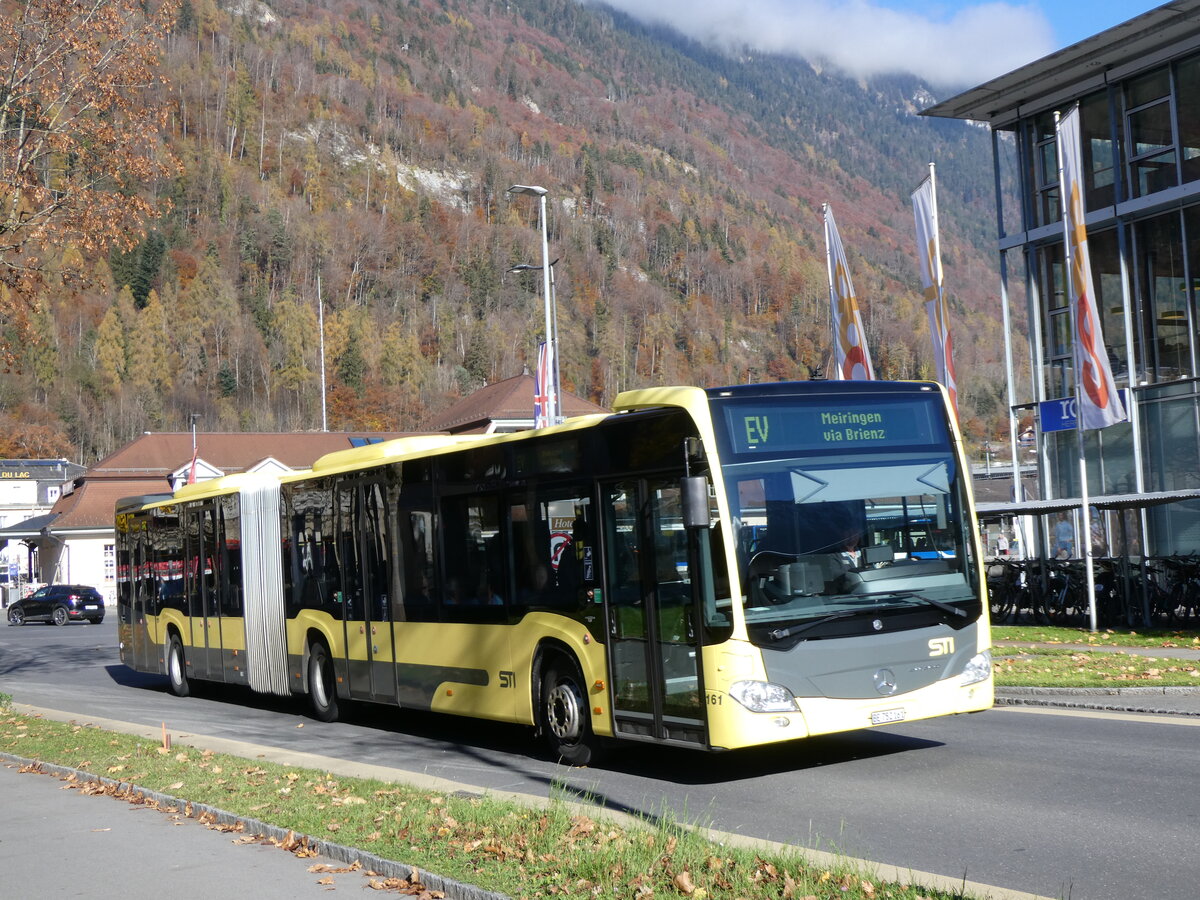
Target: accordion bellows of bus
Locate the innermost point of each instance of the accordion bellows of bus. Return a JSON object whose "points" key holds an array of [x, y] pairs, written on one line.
{"points": [[708, 568]]}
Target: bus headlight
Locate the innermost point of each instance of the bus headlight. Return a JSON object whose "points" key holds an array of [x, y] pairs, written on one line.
{"points": [[978, 669], [763, 696]]}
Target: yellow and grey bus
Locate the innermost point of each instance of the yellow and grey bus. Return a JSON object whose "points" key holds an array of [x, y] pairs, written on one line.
{"points": [[709, 568]]}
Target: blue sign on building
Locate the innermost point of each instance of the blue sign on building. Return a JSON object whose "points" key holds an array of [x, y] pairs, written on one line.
{"points": [[1059, 415]]}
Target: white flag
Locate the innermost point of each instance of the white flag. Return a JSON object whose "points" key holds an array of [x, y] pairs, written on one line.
{"points": [[542, 388], [1098, 401], [929, 259], [852, 361]]}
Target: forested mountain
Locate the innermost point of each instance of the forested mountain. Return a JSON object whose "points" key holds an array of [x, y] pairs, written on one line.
{"points": [[360, 150]]}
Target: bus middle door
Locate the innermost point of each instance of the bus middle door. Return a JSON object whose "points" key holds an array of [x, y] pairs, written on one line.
{"points": [[364, 547], [197, 581], [653, 639]]}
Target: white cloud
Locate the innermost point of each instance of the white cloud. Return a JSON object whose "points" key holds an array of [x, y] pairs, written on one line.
{"points": [[970, 46]]}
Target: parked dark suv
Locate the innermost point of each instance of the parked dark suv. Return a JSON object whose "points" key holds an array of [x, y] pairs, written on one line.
{"points": [[59, 604]]}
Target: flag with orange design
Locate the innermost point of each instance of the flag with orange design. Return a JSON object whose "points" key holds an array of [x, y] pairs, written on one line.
{"points": [[852, 360], [1099, 404], [542, 388], [929, 259]]}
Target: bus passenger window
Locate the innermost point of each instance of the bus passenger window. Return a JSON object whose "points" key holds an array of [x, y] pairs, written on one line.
{"points": [[476, 575]]}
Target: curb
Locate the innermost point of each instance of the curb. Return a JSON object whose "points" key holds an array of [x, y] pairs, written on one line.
{"points": [[1165, 691], [1050, 698], [453, 890]]}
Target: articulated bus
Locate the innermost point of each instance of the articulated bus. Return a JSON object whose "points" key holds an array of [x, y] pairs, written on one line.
{"points": [[708, 568]]}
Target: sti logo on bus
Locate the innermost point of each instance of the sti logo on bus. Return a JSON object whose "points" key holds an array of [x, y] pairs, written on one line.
{"points": [[941, 646], [756, 429]]}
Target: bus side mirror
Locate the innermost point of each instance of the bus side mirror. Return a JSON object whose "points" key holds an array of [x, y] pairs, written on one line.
{"points": [[693, 490]]}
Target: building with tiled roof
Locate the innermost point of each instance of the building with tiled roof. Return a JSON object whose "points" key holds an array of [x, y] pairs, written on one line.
{"points": [[29, 488], [74, 542], [501, 407]]}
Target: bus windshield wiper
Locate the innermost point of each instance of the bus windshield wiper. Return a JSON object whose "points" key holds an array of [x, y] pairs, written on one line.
{"points": [[780, 634], [909, 595]]}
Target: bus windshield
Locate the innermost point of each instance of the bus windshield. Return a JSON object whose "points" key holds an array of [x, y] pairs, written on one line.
{"points": [[818, 537], [862, 516]]}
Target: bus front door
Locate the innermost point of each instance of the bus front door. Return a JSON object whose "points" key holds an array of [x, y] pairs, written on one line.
{"points": [[653, 639]]}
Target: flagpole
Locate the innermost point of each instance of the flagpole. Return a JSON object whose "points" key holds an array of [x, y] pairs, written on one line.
{"points": [[321, 329], [1083, 537]]}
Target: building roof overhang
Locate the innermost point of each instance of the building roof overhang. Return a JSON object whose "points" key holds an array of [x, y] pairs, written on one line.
{"points": [[1103, 501], [1136, 44], [30, 528]]}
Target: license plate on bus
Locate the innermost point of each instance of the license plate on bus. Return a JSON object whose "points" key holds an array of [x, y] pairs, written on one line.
{"points": [[884, 716]]}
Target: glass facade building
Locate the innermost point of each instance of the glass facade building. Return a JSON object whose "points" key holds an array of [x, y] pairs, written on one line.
{"points": [[1138, 89]]}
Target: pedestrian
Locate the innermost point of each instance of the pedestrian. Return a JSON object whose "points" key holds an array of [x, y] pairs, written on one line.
{"points": [[1064, 537]]}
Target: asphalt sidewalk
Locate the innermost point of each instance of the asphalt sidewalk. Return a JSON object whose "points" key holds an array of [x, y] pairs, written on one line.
{"points": [[1170, 701], [147, 845]]}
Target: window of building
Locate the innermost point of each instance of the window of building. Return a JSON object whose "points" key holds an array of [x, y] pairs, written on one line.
{"points": [[110, 563], [1166, 317], [1043, 160], [1151, 137], [1110, 300], [1099, 158], [1056, 337], [1187, 85]]}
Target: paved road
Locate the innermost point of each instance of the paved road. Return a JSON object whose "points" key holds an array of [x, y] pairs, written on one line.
{"points": [[1056, 802]]}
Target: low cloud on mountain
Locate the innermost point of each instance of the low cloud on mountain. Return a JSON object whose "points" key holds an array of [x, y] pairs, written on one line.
{"points": [[967, 47]]}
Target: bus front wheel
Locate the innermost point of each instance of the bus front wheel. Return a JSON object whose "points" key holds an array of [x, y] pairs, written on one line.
{"points": [[322, 685], [565, 717], [177, 668]]}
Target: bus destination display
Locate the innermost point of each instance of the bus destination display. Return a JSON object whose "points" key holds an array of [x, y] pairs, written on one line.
{"points": [[771, 428]]}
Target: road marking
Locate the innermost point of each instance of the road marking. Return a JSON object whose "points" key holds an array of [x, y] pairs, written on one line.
{"points": [[1143, 718]]}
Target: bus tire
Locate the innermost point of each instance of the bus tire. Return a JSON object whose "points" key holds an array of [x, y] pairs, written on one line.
{"points": [[322, 684], [564, 717], [177, 668]]}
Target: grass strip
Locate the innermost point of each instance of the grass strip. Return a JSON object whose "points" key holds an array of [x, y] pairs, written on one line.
{"points": [[1109, 637], [497, 845], [1062, 667]]}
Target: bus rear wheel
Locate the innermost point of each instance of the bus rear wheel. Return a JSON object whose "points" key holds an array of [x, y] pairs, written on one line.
{"points": [[177, 668], [322, 684], [565, 717]]}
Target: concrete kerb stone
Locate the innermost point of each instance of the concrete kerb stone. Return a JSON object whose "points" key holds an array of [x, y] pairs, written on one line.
{"points": [[1182, 702], [880, 871], [1163, 691]]}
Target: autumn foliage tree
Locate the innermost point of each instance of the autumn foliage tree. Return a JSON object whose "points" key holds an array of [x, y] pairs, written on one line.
{"points": [[79, 133]]}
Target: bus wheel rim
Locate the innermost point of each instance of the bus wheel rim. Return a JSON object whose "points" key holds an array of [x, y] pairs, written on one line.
{"points": [[563, 708], [176, 666], [320, 679]]}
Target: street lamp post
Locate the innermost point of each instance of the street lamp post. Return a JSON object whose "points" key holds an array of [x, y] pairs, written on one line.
{"points": [[553, 408]]}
